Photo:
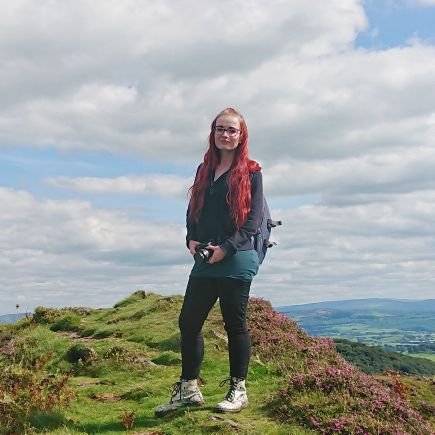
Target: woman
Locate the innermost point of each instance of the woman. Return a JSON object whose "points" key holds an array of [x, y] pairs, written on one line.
{"points": [[224, 212]]}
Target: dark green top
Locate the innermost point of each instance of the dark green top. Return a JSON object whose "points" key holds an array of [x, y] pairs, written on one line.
{"points": [[215, 225]]}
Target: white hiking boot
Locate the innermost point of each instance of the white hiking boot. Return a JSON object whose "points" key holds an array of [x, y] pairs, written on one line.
{"points": [[184, 393], [236, 398]]}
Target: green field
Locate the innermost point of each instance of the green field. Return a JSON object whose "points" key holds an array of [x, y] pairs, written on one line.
{"points": [[407, 327], [430, 356]]}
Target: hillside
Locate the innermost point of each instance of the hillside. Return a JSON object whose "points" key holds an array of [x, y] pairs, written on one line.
{"points": [[81, 370], [373, 359], [403, 326]]}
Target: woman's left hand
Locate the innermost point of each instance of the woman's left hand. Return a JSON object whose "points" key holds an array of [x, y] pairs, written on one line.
{"points": [[218, 253]]}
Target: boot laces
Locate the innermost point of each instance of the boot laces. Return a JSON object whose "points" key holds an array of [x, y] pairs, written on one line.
{"points": [[176, 389], [232, 391]]}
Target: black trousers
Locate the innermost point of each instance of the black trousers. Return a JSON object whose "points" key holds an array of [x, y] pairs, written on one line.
{"points": [[201, 294]]}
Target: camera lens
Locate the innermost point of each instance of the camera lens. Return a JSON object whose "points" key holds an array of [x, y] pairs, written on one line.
{"points": [[202, 256]]}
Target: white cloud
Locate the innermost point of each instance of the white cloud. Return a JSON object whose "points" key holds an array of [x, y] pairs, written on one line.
{"points": [[383, 249], [351, 126], [129, 84], [425, 2], [151, 185], [359, 102], [143, 77], [54, 226], [404, 171], [367, 176], [68, 252]]}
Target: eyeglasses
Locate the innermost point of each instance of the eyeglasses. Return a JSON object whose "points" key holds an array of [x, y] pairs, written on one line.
{"points": [[230, 130]]}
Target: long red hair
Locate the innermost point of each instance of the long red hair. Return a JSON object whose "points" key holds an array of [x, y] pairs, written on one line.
{"points": [[239, 182]]}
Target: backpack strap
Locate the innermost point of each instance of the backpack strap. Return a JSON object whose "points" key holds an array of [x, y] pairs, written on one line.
{"points": [[261, 241], [272, 224]]}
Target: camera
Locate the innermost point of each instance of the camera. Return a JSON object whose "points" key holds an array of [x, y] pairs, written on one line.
{"points": [[202, 254]]}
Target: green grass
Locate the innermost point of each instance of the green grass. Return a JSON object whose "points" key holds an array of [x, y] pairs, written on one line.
{"points": [[135, 360], [140, 328]]}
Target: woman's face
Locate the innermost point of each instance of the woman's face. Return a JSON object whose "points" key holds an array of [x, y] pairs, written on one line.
{"points": [[227, 132]]}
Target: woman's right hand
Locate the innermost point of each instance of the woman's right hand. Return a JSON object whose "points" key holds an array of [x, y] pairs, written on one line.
{"points": [[192, 246]]}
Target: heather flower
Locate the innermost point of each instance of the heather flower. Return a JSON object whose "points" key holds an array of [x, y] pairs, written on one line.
{"points": [[323, 391]]}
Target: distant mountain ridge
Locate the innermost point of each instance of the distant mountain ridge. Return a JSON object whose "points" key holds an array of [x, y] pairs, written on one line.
{"points": [[365, 304], [11, 318]]}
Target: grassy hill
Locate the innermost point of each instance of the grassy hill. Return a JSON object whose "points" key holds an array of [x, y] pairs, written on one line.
{"points": [[80, 370]]}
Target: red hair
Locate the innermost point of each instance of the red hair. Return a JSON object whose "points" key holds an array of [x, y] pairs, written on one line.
{"points": [[239, 182]]}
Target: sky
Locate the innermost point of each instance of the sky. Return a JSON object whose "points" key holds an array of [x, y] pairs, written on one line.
{"points": [[106, 107]]}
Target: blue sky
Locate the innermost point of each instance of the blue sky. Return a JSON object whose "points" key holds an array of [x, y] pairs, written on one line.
{"points": [[102, 125], [28, 169], [394, 23]]}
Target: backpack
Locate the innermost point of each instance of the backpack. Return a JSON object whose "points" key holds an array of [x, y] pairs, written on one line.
{"points": [[261, 240]]}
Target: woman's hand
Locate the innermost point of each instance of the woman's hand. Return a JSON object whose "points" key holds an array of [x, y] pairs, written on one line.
{"points": [[192, 246], [218, 253]]}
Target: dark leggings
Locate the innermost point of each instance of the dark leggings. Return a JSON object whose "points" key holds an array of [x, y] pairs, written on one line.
{"points": [[201, 294]]}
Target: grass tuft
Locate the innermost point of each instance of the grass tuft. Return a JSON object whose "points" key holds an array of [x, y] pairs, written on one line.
{"points": [[68, 322]]}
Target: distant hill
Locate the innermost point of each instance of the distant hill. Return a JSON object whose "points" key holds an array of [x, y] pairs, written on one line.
{"points": [[400, 325], [394, 305], [11, 318]]}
